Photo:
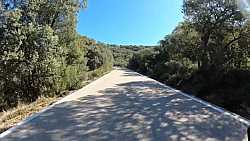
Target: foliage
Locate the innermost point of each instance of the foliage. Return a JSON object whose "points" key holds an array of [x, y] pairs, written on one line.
{"points": [[99, 56], [41, 53], [219, 25], [29, 57], [153, 63], [122, 54], [206, 55], [143, 61]]}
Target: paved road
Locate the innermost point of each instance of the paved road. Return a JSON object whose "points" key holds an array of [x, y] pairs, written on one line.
{"points": [[125, 106]]}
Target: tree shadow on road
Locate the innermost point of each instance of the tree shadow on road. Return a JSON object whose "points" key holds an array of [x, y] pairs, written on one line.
{"points": [[140, 110]]}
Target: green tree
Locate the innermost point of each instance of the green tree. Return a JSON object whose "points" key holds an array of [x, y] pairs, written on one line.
{"points": [[29, 57], [214, 21], [37, 37]]}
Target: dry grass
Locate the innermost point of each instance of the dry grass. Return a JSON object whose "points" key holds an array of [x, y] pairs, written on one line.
{"points": [[11, 117]]}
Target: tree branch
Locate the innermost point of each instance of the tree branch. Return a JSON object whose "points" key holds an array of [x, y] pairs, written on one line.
{"points": [[232, 41]]}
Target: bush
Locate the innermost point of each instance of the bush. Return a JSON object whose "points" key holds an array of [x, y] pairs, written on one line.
{"points": [[173, 73], [41, 55], [99, 57], [28, 60], [144, 61]]}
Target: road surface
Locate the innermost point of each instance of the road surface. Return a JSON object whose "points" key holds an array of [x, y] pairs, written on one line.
{"points": [[126, 106]]}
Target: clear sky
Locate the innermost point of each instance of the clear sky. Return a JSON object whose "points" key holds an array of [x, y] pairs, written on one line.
{"points": [[134, 22]]}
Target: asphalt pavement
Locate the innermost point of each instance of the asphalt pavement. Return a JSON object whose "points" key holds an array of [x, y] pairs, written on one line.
{"points": [[126, 106]]}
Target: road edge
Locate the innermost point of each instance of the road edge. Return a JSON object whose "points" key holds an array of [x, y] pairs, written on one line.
{"points": [[235, 116], [215, 107], [35, 115]]}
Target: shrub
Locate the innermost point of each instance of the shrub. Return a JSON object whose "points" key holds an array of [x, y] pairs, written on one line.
{"points": [[29, 57]]}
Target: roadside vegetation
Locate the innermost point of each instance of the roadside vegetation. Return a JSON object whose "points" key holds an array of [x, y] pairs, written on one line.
{"points": [[13, 116], [123, 53], [207, 55], [42, 57]]}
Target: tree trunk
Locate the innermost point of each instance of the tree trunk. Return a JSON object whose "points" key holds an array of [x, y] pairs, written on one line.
{"points": [[204, 50]]}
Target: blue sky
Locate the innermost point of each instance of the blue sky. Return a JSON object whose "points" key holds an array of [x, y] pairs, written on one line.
{"points": [[134, 22]]}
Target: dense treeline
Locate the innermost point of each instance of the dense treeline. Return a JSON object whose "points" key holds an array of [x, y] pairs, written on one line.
{"points": [[123, 53], [41, 53], [206, 55]]}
